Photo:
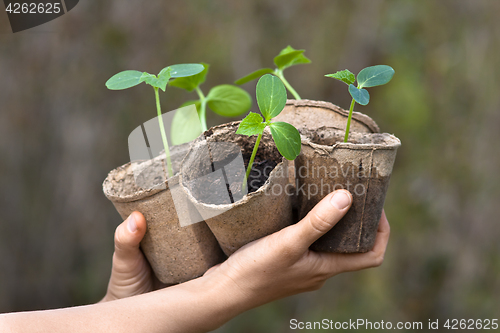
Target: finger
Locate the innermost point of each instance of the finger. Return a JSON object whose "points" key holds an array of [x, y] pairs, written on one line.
{"points": [[211, 269], [335, 263], [320, 219], [128, 236], [383, 233]]}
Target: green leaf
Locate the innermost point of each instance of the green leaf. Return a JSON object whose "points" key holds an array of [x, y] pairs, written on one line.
{"points": [[375, 76], [150, 79], [183, 70], [290, 57], [252, 124], [252, 76], [287, 139], [186, 125], [228, 101], [345, 76], [124, 80], [271, 96], [163, 78], [360, 95], [191, 82]]}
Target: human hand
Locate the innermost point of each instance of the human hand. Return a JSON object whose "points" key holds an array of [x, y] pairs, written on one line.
{"points": [[281, 264], [131, 274]]}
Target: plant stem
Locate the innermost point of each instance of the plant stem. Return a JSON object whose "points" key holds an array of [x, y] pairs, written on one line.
{"points": [[349, 120], [250, 163], [279, 74], [203, 109], [163, 135]]}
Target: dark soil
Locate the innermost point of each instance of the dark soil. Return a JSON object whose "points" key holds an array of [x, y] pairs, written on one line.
{"points": [[261, 170]]}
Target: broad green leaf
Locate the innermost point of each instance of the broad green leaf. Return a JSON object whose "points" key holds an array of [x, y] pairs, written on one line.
{"points": [[290, 57], [287, 139], [124, 80], [252, 76], [360, 95], [183, 70], [190, 83], [375, 76], [185, 125], [271, 96], [345, 76], [228, 101], [252, 124]]}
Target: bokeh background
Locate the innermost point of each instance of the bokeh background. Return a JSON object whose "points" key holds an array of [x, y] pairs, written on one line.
{"points": [[61, 131]]}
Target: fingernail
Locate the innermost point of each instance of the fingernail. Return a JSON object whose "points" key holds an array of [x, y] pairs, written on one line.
{"points": [[340, 200], [131, 224]]}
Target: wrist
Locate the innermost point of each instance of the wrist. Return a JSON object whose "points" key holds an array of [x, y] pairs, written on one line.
{"points": [[222, 298]]}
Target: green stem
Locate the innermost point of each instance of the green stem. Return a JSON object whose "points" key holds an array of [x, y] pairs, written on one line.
{"points": [[203, 109], [250, 163], [349, 120], [279, 74], [163, 135]]}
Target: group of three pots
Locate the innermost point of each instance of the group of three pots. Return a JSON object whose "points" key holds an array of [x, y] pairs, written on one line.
{"points": [[180, 251]]}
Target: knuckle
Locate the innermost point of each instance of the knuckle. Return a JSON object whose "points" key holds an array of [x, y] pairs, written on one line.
{"points": [[319, 222], [118, 239]]}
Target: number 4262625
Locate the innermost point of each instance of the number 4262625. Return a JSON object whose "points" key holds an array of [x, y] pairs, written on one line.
{"points": [[33, 8]]}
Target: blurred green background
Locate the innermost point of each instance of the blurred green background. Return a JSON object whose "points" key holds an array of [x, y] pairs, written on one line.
{"points": [[61, 131]]}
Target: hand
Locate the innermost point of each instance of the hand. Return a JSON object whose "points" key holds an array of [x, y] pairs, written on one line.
{"points": [[281, 264], [131, 274]]}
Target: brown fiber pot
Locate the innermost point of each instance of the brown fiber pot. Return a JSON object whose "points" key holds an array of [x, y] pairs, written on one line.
{"points": [[176, 253], [363, 166], [250, 216], [309, 115]]}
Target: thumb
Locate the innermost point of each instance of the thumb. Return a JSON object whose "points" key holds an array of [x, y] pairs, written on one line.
{"points": [[128, 236], [322, 217]]}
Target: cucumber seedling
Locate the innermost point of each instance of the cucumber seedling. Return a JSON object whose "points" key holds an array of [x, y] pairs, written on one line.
{"points": [[271, 98], [367, 77], [225, 100], [128, 79], [286, 58]]}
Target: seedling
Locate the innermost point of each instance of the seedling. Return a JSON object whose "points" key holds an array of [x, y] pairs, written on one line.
{"points": [[128, 79], [367, 77], [225, 100], [271, 98], [288, 57]]}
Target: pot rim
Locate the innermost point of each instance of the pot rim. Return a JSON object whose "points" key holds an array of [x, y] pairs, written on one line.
{"points": [[361, 117], [396, 143], [141, 193]]}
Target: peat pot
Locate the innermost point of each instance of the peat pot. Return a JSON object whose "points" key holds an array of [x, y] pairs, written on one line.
{"points": [[309, 115], [176, 253], [212, 175], [362, 166]]}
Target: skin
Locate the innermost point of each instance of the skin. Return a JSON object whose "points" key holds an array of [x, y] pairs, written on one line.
{"points": [[265, 270]]}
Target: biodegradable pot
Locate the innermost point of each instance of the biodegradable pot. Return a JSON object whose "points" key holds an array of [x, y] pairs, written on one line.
{"points": [[308, 115], [363, 166], [242, 218], [176, 253]]}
